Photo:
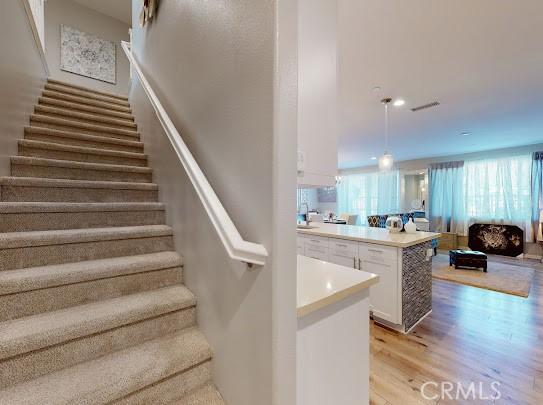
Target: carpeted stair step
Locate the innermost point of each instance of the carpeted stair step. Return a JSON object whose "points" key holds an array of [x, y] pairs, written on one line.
{"points": [[93, 95], [70, 114], [64, 124], [31, 189], [87, 89], [54, 340], [24, 166], [35, 290], [41, 248], [46, 216], [77, 139], [84, 108], [57, 151], [85, 101], [206, 395], [147, 366]]}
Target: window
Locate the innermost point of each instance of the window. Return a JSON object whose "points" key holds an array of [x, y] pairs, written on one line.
{"points": [[481, 191], [498, 190], [369, 194], [302, 197]]}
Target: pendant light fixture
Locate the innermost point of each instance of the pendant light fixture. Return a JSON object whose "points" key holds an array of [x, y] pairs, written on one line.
{"points": [[386, 161]]}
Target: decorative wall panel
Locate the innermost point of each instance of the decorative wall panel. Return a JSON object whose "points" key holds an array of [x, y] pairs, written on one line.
{"points": [[417, 284], [87, 55]]}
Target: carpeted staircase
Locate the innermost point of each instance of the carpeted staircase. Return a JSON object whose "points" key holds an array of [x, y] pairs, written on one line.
{"points": [[92, 305]]}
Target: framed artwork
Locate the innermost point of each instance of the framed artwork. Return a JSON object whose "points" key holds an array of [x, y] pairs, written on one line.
{"points": [[87, 55]]}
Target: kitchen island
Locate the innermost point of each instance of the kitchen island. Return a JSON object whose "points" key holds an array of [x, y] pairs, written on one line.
{"points": [[332, 353], [403, 297]]}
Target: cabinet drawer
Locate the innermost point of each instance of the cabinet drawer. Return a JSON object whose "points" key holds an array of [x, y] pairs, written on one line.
{"points": [[316, 252], [384, 255], [316, 240], [343, 248]]}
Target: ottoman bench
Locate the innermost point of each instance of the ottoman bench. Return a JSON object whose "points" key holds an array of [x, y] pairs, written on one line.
{"points": [[467, 258]]}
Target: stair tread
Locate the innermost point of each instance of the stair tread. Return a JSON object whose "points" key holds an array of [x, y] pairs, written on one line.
{"points": [[86, 94], [85, 101], [82, 125], [35, 332], [33, 278], [115, 375], [77, 135], [35, 161], [77, 86], [81, 149], [65, 183], [13, 240], [206, 395], [44, 110], [47, 207], [85, 107]]}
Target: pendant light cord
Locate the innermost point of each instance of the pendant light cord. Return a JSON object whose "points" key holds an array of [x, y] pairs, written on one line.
{"points": [[386, 128]]}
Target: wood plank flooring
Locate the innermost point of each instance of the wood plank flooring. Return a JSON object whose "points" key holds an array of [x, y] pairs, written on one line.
{"points": [[472, 335]]}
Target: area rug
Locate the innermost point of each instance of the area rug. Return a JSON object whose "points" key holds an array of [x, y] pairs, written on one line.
{"points": [[502, 277]]}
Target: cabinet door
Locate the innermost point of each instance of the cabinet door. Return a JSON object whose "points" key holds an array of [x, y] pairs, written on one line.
{"points": [[316, 247], [384, 296], [343, 252]]}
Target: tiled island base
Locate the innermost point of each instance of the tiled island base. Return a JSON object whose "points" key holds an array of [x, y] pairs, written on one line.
{"points": [[417, 284]]}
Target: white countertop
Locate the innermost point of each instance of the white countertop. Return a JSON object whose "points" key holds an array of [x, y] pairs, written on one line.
{"points": [[368, 234], [321, 284]]}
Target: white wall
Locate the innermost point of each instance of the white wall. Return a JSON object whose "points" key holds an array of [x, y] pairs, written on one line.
{"points": [[70, 13], [21, 78], [230, 90]]}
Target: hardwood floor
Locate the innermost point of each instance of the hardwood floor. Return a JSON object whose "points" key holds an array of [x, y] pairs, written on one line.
{"points": [[472, 335]]}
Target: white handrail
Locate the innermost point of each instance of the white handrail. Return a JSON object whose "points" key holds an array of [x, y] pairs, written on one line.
{"points": [[238, 248]]}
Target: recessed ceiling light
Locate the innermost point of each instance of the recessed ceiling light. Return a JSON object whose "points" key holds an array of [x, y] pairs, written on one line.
{"points": [[373, 158], [399, 102], [376, 89], [421, 173], [465, 134]]}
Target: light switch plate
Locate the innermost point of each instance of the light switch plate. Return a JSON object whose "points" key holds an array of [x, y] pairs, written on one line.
{"points": [[301, 161]]}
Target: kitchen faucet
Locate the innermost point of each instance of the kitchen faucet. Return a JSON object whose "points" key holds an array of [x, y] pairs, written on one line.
{"points": [[306, 213]]}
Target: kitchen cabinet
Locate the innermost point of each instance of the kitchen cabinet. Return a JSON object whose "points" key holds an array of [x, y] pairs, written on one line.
{"points": [[373, 258], [385, 296], [343, 252], [316, 247], [317, 93]]}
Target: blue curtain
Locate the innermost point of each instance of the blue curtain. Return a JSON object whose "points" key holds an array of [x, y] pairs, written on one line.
{"points": [[446, 197], [369, 194], [536, 181]]}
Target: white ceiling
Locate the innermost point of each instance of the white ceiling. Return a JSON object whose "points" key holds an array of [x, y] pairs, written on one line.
{"points": [[482, 59], [119, 9]]}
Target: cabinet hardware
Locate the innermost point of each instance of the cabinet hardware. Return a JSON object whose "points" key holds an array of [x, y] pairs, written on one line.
{"points": [[341, 245], [375, 251], [354, 262], [359, 264]]}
